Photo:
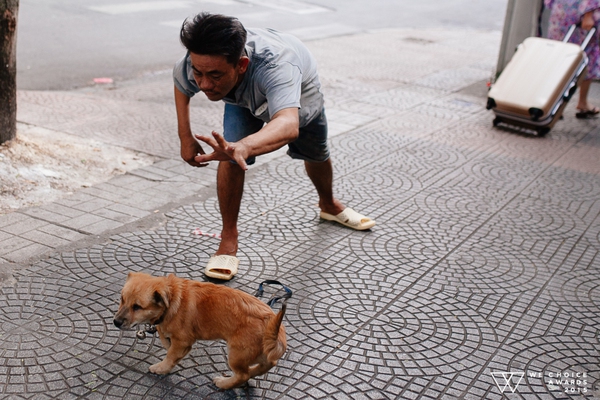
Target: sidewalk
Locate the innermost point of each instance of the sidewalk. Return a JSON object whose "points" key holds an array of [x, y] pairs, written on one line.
{"points": [[485, 258]]}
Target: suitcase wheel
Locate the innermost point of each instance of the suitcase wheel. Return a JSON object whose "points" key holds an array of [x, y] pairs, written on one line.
{"points": [[496, 121], [543, 131], [536, 113]]}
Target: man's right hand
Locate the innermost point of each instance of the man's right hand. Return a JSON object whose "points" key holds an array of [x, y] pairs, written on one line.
{"points": [[190, 147], [189, 150]]}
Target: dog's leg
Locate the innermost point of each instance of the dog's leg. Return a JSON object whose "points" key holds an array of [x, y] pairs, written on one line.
{"points": [[175, 353], [230, 382], [261, 368], [166, 342], [238, 362]]}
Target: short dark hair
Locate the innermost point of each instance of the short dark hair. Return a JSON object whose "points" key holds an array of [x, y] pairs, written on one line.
{"points": [[214, 34]]}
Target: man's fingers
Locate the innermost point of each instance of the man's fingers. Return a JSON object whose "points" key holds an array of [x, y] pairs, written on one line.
{"points": [[223, 144], [222, 150], [208, 140], [205, 158]]}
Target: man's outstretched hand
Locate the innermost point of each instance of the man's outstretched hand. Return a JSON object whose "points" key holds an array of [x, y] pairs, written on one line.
{"points": [[223, 150]]}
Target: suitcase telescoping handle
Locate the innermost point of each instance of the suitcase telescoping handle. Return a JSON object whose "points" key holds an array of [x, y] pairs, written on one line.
{"points": [[587, 39]]}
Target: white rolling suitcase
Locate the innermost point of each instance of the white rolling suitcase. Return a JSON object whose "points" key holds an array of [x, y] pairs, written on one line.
{"points": [[538, 81]]}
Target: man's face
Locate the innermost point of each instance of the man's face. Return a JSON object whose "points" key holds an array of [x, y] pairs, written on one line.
{"points": [[215, 76]]}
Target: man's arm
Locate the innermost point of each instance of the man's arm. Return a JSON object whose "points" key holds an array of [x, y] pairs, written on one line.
{"points": [[281, 130], [190, 147]]}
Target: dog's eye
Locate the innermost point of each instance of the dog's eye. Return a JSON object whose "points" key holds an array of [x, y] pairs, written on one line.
{"points": [[136, 307]]}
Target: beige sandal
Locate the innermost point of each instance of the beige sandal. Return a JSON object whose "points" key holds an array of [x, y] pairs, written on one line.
{"points": [[222, 267], [351, 219]]}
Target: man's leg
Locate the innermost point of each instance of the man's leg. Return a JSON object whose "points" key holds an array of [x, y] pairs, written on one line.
{"points": [[321, 175], [230, 187], [311, 146], [238, 123]]}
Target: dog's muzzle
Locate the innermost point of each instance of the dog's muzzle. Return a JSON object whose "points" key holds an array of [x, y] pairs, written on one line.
{"points": [[118, 323]]}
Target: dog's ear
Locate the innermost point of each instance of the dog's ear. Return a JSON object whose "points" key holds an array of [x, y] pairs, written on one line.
{"points": [[129, 275], [161, 298]]}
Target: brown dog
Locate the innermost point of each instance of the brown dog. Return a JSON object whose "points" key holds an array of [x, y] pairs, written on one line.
{"points": [[185, 311]]}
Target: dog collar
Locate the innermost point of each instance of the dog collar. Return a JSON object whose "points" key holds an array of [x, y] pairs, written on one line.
{"points": [[150, 328], [160, 319]]}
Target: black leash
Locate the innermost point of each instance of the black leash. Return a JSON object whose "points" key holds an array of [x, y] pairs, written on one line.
{"points": [[274, 299]]}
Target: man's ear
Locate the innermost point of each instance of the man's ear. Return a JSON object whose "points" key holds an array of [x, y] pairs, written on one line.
{"points": [[243, 64]]}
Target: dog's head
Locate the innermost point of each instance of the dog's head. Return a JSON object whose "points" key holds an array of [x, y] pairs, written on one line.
{"points": [[144, 300]]}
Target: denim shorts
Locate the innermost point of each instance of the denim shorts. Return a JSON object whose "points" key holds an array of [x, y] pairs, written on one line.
{"points": [[311, 144]]}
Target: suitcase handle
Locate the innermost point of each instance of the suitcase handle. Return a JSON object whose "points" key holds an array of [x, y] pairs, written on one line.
{"points": [[587, 39]]}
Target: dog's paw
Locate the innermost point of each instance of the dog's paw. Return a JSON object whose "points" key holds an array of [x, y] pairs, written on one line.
{"points": [[160, 368], [223, 382]]}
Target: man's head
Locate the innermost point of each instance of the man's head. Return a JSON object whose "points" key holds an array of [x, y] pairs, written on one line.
{"points": [[216, 45]]}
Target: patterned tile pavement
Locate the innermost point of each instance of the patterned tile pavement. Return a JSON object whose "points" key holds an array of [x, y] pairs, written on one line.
{"points": [[481, 279]]}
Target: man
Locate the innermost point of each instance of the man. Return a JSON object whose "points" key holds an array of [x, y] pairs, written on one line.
{"points": [[269, 83]]}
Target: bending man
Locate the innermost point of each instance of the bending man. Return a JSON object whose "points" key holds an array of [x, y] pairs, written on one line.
{"points": [[269, 83]]}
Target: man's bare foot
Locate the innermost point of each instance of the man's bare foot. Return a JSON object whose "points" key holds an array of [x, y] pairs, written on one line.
{"points": [[333, 208], [228, 245]]}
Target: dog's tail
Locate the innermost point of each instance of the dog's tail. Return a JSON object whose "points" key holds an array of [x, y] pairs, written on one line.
{"points": [[274, 342]]}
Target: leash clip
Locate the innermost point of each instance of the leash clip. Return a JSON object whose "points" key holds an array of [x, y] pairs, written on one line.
{"points": [[141, 334]]}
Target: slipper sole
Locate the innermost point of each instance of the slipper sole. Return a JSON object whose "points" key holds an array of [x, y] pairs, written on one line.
{"points": [[583, 114]]}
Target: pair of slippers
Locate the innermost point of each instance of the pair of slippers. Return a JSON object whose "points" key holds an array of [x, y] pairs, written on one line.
{"points": [[224, 267], [584, 114]]}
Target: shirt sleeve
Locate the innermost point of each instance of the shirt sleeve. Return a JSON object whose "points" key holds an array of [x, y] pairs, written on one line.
{"points": [[282, 85], [183, 77]]}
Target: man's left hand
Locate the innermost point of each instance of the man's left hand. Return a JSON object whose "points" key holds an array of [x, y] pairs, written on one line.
{"points": [[223, 150]]}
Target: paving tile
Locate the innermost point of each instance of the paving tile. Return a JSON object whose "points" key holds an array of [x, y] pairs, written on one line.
{"points": [[114, 215], [13, 244], [79, 223], [24, 225], [11, 219], [127, 210], [50, 216], [103, 225], [23, 249], [45, 239], [92, 205], [62, 210]]}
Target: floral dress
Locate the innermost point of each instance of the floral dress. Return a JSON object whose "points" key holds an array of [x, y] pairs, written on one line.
{"points": [[563, 14]]}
